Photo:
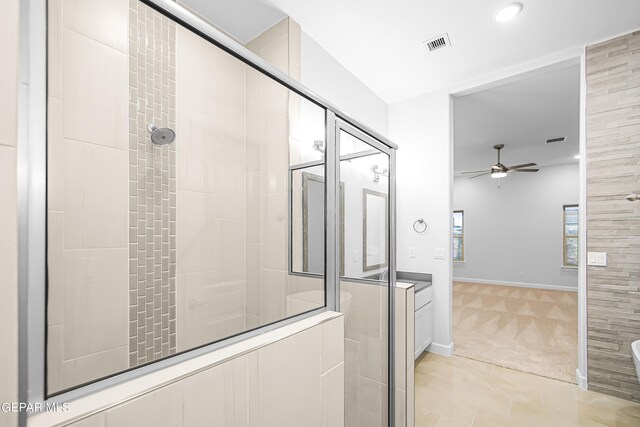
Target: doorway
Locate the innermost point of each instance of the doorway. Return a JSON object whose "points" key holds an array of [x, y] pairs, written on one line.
{"points": [[516, 197]]}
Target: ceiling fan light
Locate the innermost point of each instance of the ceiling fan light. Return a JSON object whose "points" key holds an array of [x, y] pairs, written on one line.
{"points": [[498, 174]]}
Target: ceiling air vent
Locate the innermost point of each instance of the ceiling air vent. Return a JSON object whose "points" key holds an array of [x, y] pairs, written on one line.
{"points": [[554, 140], [437, 42]]}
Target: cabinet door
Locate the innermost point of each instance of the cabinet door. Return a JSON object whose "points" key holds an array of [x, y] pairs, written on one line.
{"points": [[428, 334], [421, 329]]}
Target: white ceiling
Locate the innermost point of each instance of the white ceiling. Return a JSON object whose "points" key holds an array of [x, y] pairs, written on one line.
{"points": [[522, 115], [380, 41], [242, 19]]}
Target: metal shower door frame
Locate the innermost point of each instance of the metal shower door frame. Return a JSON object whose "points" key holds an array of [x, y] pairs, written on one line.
{"points": [[343, 125]]}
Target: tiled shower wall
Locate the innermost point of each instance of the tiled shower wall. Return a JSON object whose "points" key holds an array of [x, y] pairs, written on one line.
{"points": [[87, 190], [152, 186], [613, 223], [273, 115], [210, 194]]}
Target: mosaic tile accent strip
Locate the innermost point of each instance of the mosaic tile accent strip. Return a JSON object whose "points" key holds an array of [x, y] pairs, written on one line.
{"points": [[152, 186]]}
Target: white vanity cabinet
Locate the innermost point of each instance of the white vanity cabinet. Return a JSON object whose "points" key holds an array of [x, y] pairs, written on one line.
{"points": [[423, 320]]}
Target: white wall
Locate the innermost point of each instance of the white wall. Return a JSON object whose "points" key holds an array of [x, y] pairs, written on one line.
{"points": [[525, 216], [328, 78], [9, 32], [420, 126]]}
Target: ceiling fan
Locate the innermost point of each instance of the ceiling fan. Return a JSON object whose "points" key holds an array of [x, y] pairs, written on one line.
{"points": [[499, 170]]}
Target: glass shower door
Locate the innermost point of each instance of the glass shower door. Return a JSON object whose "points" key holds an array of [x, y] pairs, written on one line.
{"points": [[365, 280]]}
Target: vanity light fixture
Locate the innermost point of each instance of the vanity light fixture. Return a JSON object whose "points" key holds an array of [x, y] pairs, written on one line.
{"points": [[377, 172], [318, 145], [508, 12]]}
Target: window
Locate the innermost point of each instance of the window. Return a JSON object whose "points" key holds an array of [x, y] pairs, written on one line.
{"points": [[458, 236], [570, 236]]}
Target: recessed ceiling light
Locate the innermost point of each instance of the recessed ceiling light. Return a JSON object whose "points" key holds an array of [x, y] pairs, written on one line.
{"points": [[508, 12], [577, 156]]}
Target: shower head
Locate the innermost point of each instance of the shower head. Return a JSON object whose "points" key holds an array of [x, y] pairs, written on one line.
{"points": [[161, 136]]}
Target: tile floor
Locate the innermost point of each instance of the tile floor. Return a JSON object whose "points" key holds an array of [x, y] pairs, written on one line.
{"points": [[455, 391]]}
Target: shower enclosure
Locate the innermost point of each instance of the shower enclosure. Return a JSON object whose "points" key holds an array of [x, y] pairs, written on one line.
{"points": [[197, 195]]}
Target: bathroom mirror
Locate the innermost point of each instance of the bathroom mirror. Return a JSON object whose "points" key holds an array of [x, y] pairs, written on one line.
{"points": [[307, 223], [375, 230]]}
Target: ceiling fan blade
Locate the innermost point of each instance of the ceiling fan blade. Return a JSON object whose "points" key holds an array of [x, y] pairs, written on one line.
{"points": [[526, 165], [465, 173], [524, 170], [475, 176]]}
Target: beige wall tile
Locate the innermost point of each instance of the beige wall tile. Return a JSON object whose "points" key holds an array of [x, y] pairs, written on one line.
{"points": [[95, 196], [95, 92], [231, 182], [55, 56], [94, 366], [104, 21], [351, 383], [254, 116], [218, 396], [9, 82], [274, 231], [274, 156], [401, 405], [333, 396], [277, 383], [253, 280], [162, 408], [273, 285], [55, 155], [229, 250], [332, 355], [253, 204], [71, 188], [196, 213], [54, 359], [372, 403], [105, 197], [195, 316], [8, 275], [231, 106], [97, 420], [196, 162], [289, 371], [194, 63], [95, 301], [55, 267], [229, 309]]}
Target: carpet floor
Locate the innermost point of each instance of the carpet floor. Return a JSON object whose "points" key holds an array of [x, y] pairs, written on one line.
{"points": [[531, 330]]}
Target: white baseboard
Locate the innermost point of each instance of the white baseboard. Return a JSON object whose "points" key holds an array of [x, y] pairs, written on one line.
{"points": [[441, 349], [517, 284], [581, 380]]}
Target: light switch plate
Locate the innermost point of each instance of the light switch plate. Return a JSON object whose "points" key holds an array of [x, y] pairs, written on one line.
{"points": [[438, 253], [597, 259], [412, 252]]}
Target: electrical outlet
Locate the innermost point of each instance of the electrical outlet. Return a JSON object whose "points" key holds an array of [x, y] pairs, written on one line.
{"points": [[355, 255], [597, 259], [412, 252]]}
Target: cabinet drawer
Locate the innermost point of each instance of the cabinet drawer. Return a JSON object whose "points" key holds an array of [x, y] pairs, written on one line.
{"points": [[423, 297]]}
